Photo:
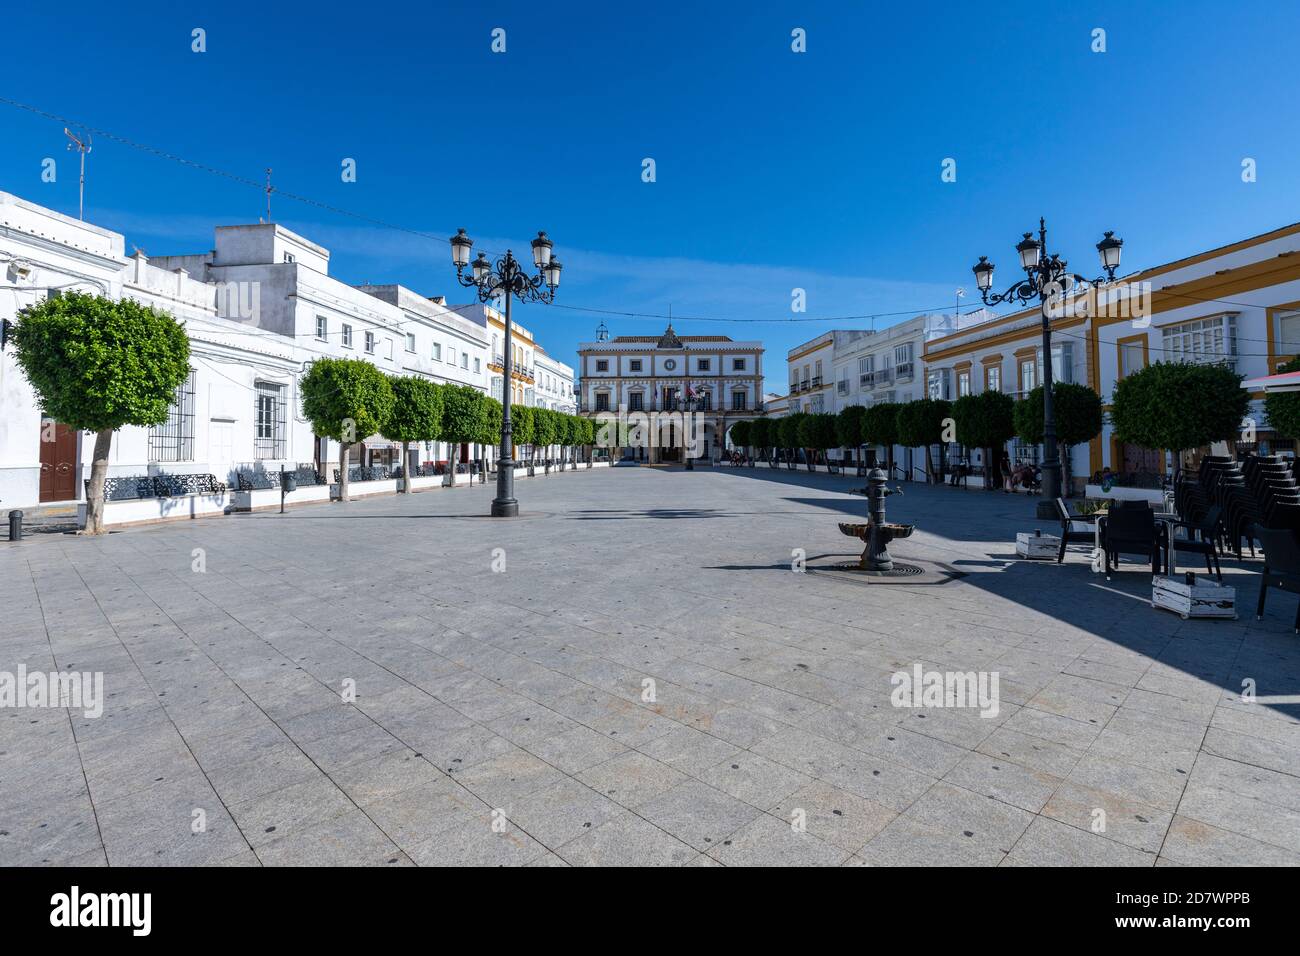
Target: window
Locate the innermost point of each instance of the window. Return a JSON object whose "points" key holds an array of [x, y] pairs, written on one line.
{"points": [[963, 384], [322, 328], [288, 257], [602, 401], [993, 378], [437, 351], [635, 401], [937, 384], [633, 365], [173, 440], [602, 365], [1028, 376], [478, 366], [1288, 339], [410, 341], [1202, 342], [388, 348], [842, 386], [703, 365], [738, 399], [903, 360], [451, 355], [347, 336], [1132, 357], [1062, 362], [464, 360], [268, 420], [370, 343], [738, 365]]}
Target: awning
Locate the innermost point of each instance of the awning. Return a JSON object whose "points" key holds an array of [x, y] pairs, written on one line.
{"points": [[1283, 382]]}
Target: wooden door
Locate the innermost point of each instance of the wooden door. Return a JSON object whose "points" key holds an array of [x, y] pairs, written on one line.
{"points": [[58, 462]]}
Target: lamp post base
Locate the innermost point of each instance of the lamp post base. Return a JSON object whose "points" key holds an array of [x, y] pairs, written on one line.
{"points": [[1046, 509], [505, 508]]}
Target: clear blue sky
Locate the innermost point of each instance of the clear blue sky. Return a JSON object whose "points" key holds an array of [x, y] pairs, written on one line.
{"points": [[775, 170]]}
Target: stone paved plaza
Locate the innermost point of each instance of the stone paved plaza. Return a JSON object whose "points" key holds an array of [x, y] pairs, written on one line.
{"points": [[499, 714]]}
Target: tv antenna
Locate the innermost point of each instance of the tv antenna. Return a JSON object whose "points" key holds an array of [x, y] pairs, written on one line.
{"points": [[269, 189], [82, 145]]}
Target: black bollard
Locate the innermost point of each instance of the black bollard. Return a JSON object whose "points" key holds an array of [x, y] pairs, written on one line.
{"points": [[15, 526]]}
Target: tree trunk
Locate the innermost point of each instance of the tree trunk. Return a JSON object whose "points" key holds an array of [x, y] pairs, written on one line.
{"points": [[406, 468], [98, 472], [343, 470]]}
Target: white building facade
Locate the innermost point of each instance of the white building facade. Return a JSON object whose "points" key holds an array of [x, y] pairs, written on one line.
{"points": [[258, 308], [847, 367], [650, 376]]}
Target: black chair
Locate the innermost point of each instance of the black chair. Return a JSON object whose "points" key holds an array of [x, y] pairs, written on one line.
{"points": [[1281, 565], [1071, 534], [1205, 543], [1129, 531]]}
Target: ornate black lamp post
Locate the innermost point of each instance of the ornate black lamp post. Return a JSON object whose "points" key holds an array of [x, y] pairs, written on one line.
{"points": [[506, 277], [1047, 279]]}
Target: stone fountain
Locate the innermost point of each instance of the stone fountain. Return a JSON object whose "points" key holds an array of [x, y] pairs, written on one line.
{"points": [[877, 533]]}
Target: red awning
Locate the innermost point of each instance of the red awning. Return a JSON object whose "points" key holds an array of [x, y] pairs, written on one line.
{"points": [[1282, 382]]}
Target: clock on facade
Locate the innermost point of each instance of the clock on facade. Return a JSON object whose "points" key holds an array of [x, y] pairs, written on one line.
{"points": [[670, 364]]}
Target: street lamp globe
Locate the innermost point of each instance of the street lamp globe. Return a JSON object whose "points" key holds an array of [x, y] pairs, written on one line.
{"points": [[1029, 250], [481, 267], [553, 273], [1109, 251], [541, 250], [983, 274], [460, 246]]}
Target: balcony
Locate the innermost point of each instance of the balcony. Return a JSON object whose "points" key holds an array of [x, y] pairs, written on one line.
{"points": [[817, 381], [903, 371]]}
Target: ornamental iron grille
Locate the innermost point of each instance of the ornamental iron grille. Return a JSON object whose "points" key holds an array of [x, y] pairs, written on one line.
{"points": [[173, 440], [269, 420]]}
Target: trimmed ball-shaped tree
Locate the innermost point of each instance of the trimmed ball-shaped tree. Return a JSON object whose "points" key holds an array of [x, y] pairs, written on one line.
{"points": [[1178, 406], [788, 432], [544, 431], [463, 414], [760, 434], [522, 429], [817, 433], [346, 400], [880, 427], [490, 433], [920, 425], [850, 427], [417, 413], [742, 435], [986, 421], [1283, 408], [97, 365], [1077, 410]]}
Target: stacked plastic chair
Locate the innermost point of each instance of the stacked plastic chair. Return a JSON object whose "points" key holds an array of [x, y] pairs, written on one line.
{"points": [[1272, 483]]}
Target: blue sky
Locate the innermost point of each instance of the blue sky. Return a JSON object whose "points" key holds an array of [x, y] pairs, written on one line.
{"points": [[775, 170]]}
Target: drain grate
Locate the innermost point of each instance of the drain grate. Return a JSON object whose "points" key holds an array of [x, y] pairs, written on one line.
{"points": [[899, 570]]}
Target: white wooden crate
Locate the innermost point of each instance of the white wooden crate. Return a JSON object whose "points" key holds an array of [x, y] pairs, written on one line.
{"points": [[1205, 598], [1037, 546]]}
